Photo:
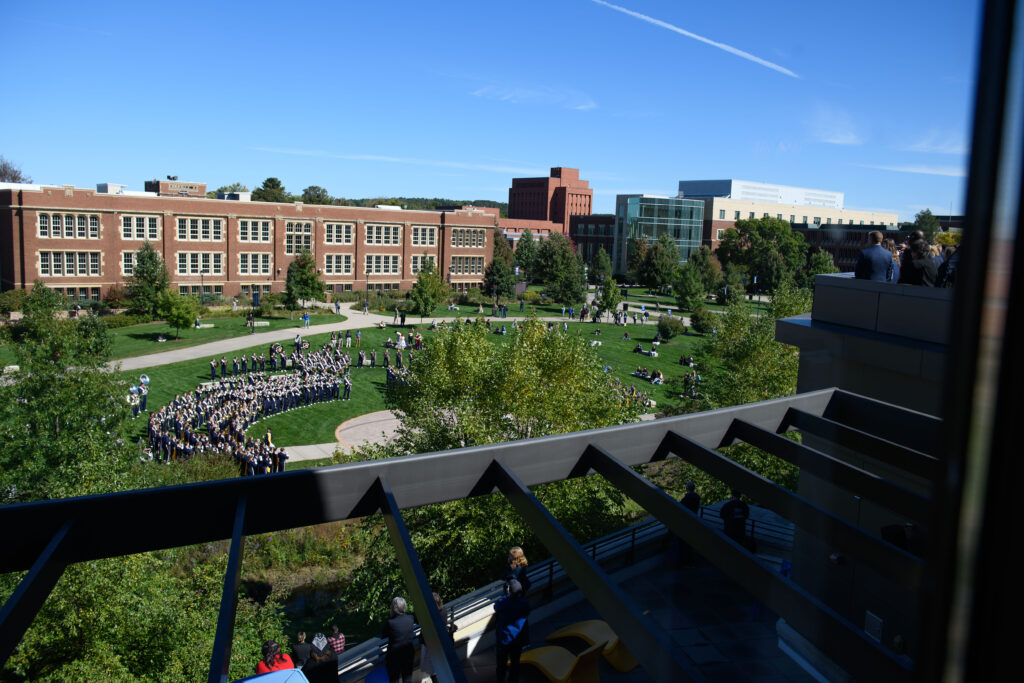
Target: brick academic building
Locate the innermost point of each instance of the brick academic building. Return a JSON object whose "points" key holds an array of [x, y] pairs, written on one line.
{"points": [[83, 242]]}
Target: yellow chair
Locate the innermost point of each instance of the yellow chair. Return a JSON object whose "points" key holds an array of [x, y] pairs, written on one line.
{"points": [[596, 631], [561, 666]]}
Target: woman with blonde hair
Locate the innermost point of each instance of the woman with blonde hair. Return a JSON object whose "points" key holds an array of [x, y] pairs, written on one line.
{"points": [[516, 568], [893, 274]]}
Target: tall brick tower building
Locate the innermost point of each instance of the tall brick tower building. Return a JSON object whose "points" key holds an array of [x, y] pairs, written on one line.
{"points": [[553, 199]]}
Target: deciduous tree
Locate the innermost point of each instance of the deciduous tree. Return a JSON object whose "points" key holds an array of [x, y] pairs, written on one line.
{"points": [[660, 263], [689, 287], [767, 248], [502, 249], [569, 284], [707, 265], [314, 194], [554, 255], [526, 253], [178, 310], [233, 187], [927, 223], [611, 296], [11, 172]]}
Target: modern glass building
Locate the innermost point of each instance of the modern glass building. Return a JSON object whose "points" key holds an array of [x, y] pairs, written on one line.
{"points": [[649, 217]]}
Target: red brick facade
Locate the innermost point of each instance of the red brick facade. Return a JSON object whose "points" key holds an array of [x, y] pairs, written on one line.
{"points": [[554, 199], [240, 245]]}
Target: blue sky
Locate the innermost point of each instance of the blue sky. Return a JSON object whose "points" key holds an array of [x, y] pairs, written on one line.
{"points": [[453, 99]]}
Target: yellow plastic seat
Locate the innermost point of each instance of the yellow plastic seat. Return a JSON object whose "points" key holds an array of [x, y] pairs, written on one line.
{"points": [[561, 666], [596, 631]]}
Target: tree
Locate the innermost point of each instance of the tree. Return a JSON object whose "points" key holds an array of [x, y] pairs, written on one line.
{"points": [[819, 263], [233, 187], [499, 281], [730, 287], [302, 282], [314, 194], [569, 285], [178, 310], [702, 320], [464, 390], [554, 255], [927, 223], [610, 297], [502, 249], [767, 248], [148, 280], [689, 287], [949, 238], [708, 266], [272, 190], [429, 289], [600, 267], [11, 172], [526, 252], [660, 264], [636, 252]]}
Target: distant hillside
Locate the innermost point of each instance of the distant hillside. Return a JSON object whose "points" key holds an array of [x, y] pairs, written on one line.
{"points": [[413, 203]]}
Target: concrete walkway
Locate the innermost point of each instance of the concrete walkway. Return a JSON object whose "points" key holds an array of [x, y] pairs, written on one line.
{"points": [[374, 428]]}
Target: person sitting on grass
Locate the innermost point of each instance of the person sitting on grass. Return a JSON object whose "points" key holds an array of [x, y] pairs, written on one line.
{"points": [[639, 348], [626, 336]]}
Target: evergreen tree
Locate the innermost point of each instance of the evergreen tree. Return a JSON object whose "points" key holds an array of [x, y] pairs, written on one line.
{"points": [[927, 223], [708, 267], [272, 190], [302, 281], [526, 253], [429, 289], [148, 280], [499, 281], [600, 267], [569, 284], [689, 287], [502, 249]]}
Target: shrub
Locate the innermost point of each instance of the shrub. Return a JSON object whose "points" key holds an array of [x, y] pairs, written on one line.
{"points": [[125, 319], [115, 297], [669, 327], [344, 297], [703, 320], [531, 298], [12, 300]]}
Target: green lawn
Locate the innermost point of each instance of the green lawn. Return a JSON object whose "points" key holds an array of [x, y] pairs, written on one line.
{"points": [[139, 340], [316, 424]]}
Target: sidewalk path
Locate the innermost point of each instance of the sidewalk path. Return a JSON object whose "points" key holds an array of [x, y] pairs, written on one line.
{"points": [[375, 428]]}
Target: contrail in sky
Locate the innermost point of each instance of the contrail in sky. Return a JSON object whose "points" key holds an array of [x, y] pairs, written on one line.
{"points": [[721, 46]]}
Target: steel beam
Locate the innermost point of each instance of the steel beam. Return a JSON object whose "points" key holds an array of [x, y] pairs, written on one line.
{"points": [[889, 452], [204, 511], [654, 649], [826, 629], [885, 558], [20, 609], [433, 629], [220, 662], [909, 428], [854, 479]]}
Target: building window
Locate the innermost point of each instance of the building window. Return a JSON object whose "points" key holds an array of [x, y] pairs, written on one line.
{"points": [[467, 265], [200, 229], [720, 234], [44, 225], [69, 226], [298, 237], [338, 233], [779, 216], [94, 227], [736, 215], [840, 221], [196, 263], [44, 263], [721, 214], [383, 234], [418, 263], [80, 226], [127, 262], [828, 220], [424, 237], [817, 220], [253, 264], [140, 228], [84, 263], [253, 231], [465, 237], [338, 264], [94, 263], [751, 215], [382, 264], [792, 218]]}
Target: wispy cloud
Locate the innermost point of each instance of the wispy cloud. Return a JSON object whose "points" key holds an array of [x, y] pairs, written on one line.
{"points": [[707, 41], [409, 161], [834, 126], [950, 171], [566, 98], [938, 142]]}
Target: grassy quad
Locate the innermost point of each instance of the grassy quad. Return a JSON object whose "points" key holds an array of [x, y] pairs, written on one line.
{"points": [[317, 423]]}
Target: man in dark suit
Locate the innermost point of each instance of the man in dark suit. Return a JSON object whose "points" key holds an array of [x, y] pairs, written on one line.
{"points": [[875, 261], [398, 629]]}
